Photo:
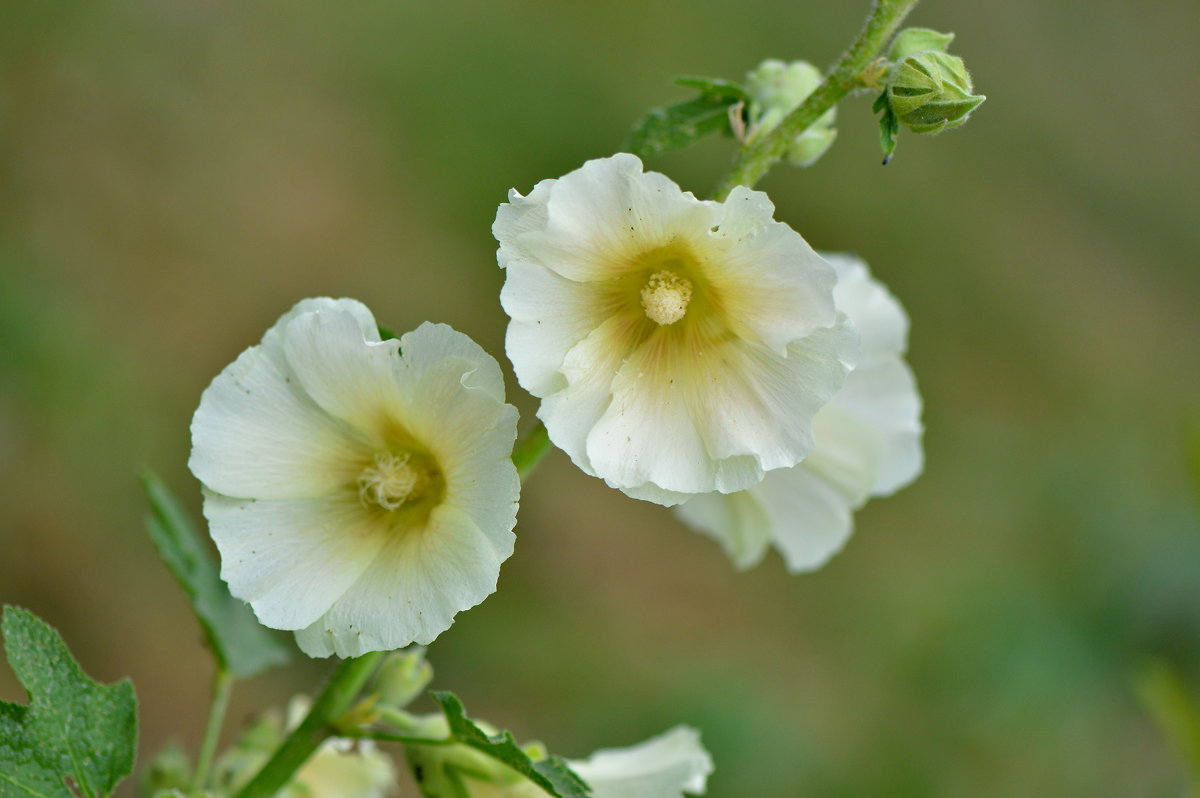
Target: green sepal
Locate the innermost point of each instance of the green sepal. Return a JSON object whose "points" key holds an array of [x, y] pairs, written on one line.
{"points": [[551, 773], [914, 40], [931, 91], [238, 642], [677, 126], [384, 333], [889, 128], [73, 728]]}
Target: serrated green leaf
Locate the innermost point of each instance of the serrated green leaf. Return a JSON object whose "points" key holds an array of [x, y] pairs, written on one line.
{"points": [[73, 727], [551, 774], [677, 126], [714, 87], [240, 644]]}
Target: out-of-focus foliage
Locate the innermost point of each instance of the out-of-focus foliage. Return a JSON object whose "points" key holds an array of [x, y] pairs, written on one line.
{"points": [[173, 176]]}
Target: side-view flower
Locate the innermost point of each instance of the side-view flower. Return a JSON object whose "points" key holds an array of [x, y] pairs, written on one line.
{"points": [[679, 346], [868, 443], [668, 765], [359, 491]]}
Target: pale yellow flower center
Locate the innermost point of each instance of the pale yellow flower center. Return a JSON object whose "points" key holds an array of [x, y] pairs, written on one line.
{"points": [[394, 480], [665, 297]]}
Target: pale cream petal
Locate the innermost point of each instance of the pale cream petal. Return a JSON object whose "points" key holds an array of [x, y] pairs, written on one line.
{"points": [[291, 560], [353, 379], [881, 321], [810, 518], [770, 285], [428, 346], [585, 225], [470, 435], [550, 315], [748, 400], [412, 590], [649, 492], [570, 414], [257, 434], [665, 766], [869, 436], [735, 520]]}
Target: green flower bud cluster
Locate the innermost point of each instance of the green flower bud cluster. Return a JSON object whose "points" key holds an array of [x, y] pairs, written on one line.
{"points": [[777, 89], [928, 90]]}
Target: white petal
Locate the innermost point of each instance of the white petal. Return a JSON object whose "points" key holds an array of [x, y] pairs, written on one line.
{"points": [[257, 434], [362, 316], [412, 590], [597, 212], [666, 766], [881, 321], [550, 315], [351, 378], [696, 422], [470, 434], [772, 286], [340, 769], [570, 414], [810, 518], [735, 520], [869, 437], [430, 345], [291, 560]]}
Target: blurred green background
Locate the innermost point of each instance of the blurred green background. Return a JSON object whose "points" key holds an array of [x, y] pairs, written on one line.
{"points": [[174, 175]]}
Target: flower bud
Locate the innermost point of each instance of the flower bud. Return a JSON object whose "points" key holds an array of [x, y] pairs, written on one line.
{"points": [[402, 677], [930, 90], [778, 89]]}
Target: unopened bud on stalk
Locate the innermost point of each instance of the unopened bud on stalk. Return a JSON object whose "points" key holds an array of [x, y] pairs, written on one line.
{"points": [[778, 89], [928, 90]]}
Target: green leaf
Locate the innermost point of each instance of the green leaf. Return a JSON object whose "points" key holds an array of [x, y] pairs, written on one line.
{"points": [[715, 87], [1168, 699], [677, 126], [240, 644], [551, 774], [72, 728]]}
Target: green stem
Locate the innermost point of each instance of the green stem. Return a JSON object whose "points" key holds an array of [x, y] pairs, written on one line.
{"points": [[343, 687], [222, 688], [530, 450], [388, 737], [756, 158]]}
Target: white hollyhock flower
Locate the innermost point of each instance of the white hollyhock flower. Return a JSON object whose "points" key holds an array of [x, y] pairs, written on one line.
{"points": [[679, 346], [868, 444], [359, 491], [666, 766]]}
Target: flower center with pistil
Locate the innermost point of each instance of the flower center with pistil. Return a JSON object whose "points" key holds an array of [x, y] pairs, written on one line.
{"points": [[394, 480], [665, 297]]}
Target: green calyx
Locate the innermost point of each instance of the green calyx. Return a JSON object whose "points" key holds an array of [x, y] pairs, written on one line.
{"points": [[928, 90], [931, 91]]}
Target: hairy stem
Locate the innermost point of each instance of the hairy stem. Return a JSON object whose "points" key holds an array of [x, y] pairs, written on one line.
{"points": [[222, 688], [343, 687], [756, 158]]}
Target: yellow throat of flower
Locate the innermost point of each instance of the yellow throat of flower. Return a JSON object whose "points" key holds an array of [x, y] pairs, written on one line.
{"points": [[393, 481]]}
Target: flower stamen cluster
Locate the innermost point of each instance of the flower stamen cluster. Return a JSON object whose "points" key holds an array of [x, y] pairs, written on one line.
{"points": [[395, 480], [666, 296]]}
